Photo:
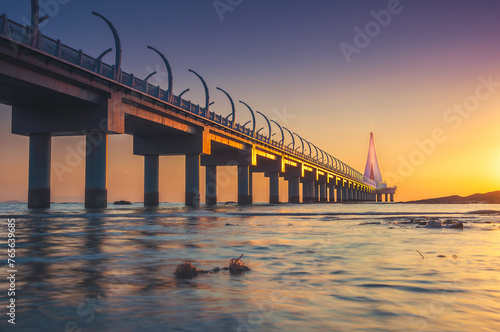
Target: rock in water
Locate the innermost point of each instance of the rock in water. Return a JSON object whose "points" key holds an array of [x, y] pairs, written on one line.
{"points": [[186, 271], [434, 224], [456, 225], [122, 203], [448, 224], [236, 266]]}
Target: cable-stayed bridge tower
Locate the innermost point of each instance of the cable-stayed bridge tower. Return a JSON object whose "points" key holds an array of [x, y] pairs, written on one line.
{"points": [[372, 172]]}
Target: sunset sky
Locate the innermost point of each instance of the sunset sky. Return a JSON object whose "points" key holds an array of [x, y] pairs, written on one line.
{"points": [[426, 81]]}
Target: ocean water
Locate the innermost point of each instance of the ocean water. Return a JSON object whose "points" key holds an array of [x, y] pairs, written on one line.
{"points": [[318, 267]]}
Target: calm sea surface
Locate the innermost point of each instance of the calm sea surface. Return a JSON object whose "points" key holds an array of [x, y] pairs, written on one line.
{"points": [[320, 267]]}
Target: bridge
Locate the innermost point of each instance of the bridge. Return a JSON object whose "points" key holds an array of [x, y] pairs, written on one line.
{"points": [[56, 90]]}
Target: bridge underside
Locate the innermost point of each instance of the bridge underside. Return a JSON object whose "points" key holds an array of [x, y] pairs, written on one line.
{"points": [[51, 97]]}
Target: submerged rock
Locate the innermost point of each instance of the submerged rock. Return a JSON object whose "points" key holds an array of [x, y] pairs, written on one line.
{"points": [[434, 224], [447, 224]]}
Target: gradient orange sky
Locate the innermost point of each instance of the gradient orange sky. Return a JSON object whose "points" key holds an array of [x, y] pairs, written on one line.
{"points": [[284, 57]]}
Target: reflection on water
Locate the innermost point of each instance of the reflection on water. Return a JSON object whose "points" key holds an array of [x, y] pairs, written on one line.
{"points": [[314, 267]]}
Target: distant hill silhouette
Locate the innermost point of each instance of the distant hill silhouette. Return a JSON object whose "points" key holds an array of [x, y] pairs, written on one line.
{"points": [[488, 198], [12, 202]]}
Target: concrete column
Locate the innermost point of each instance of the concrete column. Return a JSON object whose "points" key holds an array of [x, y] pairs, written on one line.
{"points": [[322, 192], [250, 188], [339, 192], [345, 191], [331, 193], [348, 192], [392, 197], [379, 197], [305, 192], [151, 180], [293, 192], [192, 197], [386, 198], [39, 171], [96, 167], [274, 188], [311, 190], [243, 184], [211, 185]]}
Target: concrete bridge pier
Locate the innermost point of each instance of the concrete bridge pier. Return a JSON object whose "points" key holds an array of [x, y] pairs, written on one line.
{"points": [[151, 180], [96, 164], [274, 188], [316, 192], [192, 197], [243, 184], [308, 191], [348, 196], [339, 191], [331, 193], [345, 191], [39, 171], [211, 185], [293, 190], [322, 192], [392, 197], [250, 187]]}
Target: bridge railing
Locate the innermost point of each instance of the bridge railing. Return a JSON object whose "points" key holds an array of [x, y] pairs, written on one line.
{"points": [[25, 35]]}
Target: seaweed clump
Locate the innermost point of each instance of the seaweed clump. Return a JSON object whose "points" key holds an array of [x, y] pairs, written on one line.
{"points": [[236, 266], [188, 271]]}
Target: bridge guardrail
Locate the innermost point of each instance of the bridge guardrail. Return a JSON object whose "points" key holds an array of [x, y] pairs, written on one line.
{"points": [[55, 48]]}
